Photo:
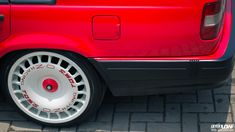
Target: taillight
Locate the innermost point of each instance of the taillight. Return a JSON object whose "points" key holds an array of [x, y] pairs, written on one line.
{"points": [[212, 19]]}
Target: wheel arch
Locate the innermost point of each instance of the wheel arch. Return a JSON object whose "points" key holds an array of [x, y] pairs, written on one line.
{"points": [[6, 56], [29, 41], [49, 41]]}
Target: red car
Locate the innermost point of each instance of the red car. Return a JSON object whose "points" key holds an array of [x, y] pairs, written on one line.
{"points": [[58, 57]]}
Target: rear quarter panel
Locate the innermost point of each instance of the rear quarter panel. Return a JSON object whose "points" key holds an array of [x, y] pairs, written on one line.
{"points": [[149, 29]]}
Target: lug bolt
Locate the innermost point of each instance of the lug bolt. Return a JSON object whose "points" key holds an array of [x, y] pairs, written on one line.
{"points": [[49, 87]]}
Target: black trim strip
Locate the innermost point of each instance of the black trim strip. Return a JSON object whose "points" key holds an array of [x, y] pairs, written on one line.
{"points": [[4, 2], [50, 2], [1, 18]]}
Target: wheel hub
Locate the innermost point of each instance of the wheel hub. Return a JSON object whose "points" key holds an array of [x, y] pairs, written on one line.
{"points": [[50, 85]]}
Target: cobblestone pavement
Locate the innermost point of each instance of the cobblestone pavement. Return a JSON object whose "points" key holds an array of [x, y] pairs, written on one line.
{"points": [[193, 111]]}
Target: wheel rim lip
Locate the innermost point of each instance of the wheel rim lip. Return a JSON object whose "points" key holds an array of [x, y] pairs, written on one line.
{"points": [[27, 111]]}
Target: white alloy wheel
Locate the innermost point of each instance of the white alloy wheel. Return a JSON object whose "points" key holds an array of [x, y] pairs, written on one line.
{"points": [[49, 87]]}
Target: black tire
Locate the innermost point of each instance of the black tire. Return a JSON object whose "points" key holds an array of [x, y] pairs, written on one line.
{"points": [[97, 88]]}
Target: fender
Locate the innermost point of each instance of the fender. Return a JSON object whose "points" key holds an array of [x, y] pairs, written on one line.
{"points": [[45, 41]]}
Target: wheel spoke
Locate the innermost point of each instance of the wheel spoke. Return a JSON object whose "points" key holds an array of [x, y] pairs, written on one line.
{"points": [[48, 115], [16, 82], [23, 67], [80, 101], [18, 74], [38, 113], [59, 62], [17, 91], [49, 59], [80, 83], [58, 115], [68, 113], [39, 59], [74, 107], [30, 62], [68, 67], [29, 107], [22, 100], [82, 92], [75, 75]]}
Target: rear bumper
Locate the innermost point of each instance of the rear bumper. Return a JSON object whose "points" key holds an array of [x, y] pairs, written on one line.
{"points": [[144, 78]]}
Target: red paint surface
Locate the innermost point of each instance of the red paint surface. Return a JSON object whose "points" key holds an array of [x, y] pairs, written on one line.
{"points": [[106, 27], [150, 29], [50, 82]]}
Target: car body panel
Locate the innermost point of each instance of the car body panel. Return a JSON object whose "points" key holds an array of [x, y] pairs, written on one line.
{"points": [[145, 29]]}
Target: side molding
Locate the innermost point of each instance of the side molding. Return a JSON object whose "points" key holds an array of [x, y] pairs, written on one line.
{"points": [[33, 1], [4, 2]]}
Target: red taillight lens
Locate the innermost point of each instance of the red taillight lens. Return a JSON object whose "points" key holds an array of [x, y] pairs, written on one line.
{"points": [[212, 19]]}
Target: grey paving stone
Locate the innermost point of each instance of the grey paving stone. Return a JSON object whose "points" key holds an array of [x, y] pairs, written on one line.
{"points": [[163, 127], [233, 81], [232, 99], [4, 126], [131, 107], [233, 77], [233, 111], [190, 122], [156, 108], [140, 99], [106, 112], [10, 116], [198, 108], [205, 96], [147, 117], [205, 127], [156, 104], [232, 89], [137, 127], [50, 129], [121, 122], [95, 127], [172, 113], [222, 103], [215, 117], [25, 126], [181, 98], [69, 129]]}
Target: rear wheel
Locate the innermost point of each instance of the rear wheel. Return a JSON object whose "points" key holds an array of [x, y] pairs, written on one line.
{"points": [[51, 87]]}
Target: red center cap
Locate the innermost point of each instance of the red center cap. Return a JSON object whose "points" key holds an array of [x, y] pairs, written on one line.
{"points": [[50, 85]]}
